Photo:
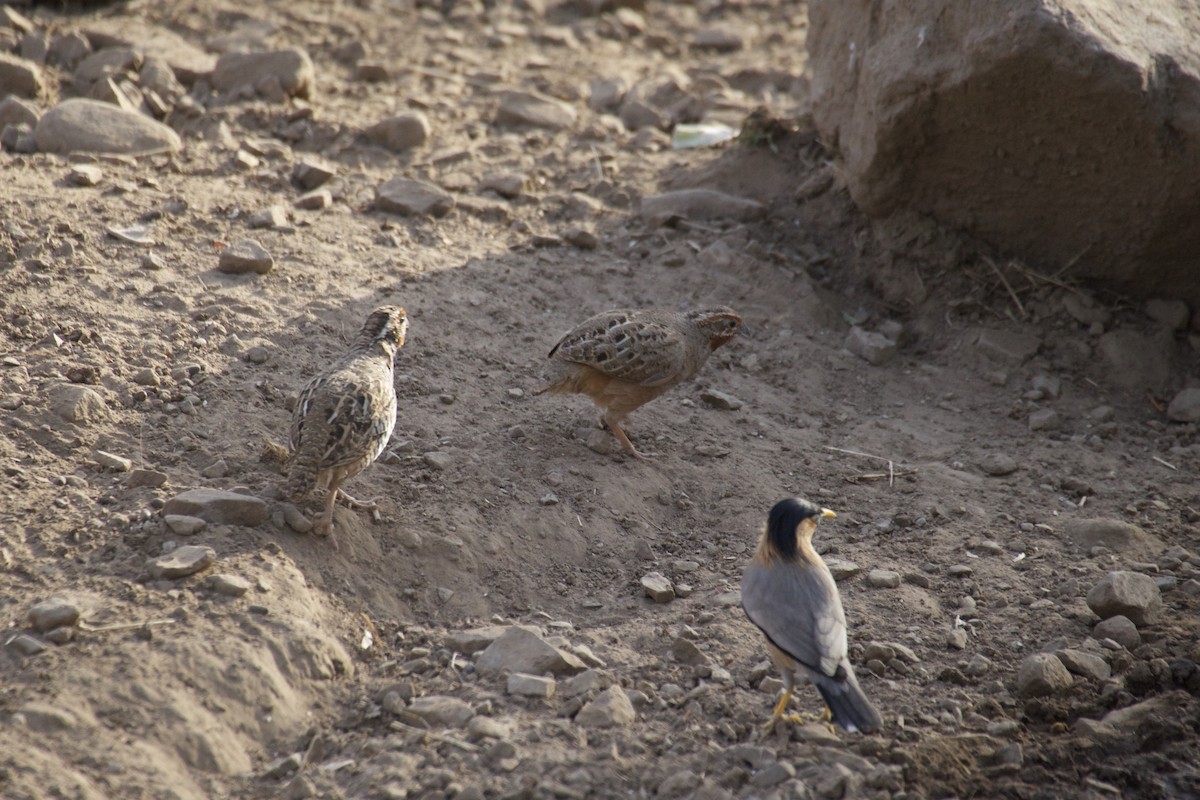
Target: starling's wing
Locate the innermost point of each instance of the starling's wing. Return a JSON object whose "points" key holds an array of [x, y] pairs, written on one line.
{"points": [[626, 346], [797, 607]]}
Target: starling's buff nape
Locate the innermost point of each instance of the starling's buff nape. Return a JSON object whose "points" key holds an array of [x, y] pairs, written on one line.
{"points": [[784, 522]]}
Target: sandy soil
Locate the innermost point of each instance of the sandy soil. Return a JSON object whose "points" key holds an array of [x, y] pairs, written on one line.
{"points": [[170, 688]]}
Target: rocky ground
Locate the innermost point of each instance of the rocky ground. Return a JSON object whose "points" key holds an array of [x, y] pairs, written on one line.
{"points": [[530, 614]]}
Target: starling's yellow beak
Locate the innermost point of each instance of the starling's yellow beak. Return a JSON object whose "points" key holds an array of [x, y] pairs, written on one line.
{"points": [[827, 514]]}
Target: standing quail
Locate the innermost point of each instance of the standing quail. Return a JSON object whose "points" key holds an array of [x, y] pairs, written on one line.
{"points": [[345, 415]]}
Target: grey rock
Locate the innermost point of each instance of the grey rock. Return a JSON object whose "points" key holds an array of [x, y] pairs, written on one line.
{"points": [[1171, 314], [269, 217], [658, 587], [956, 638], [721, 40], [291, 70], [508, 185], [866, 103], [842, 569], [481, 727], [1117, 535], [998, 464], [14, 111], [188, 61], [685, 651], [1042, 674], [111, 62], [1119, 629], [315, 200], [401, 132], [78, 404], [474, 640], [219, 507], [53, 613], [1185, 406], [228, 585], [883, 578], [519, 650], [1083, 663], [437, 460], [1085, 311], [535, 110], [114, 462], [874, 348], [1009, 347], [45, 718], [68, 49], [587, 681], [1129, 594], [611, 708], [773, 775], [636, 114], [19, 77], [153, 478], [719, 399], [157, 75], [519, 683], [311, 172], [182, 561], [412, 198], [1044, 419], [26, 645], [605, 94], [90, 126], [1134, 360], [700, 205], [442, 711], [183, 524], [678, 784], [245, 256], [85, 175], [284, 766]]}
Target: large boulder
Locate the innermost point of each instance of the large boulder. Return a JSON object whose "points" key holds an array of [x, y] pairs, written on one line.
{"points": [[1065, 131]]}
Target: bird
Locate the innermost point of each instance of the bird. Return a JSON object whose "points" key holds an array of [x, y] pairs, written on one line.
{"points": [[790, 595], [623, 359], [346, 414]]}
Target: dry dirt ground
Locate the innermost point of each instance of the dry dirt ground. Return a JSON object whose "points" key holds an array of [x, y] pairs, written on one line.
{"points": [[173, 689]]}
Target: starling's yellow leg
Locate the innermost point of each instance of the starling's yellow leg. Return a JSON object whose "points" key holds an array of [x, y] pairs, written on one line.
{"points": [[827, 718], [780, 707]]}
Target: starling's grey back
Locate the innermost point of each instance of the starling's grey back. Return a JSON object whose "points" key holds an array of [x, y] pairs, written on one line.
{"points": [[797, 606]]}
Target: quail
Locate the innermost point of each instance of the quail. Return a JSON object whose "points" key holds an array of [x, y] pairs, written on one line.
{"points": [[623, 359], [788, 592], [345, 415]]}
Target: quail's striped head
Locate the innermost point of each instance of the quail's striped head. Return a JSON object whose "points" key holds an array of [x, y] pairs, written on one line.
{"points": [[719, 325], [386, 327]]}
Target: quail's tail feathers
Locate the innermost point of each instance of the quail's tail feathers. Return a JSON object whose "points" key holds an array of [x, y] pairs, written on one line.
{"points": [[849, 708]]}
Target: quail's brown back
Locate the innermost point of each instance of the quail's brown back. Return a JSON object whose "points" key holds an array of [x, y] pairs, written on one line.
{"points": [[346, 414], [651, 348]]}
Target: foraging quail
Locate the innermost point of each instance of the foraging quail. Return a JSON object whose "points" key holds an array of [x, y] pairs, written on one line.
{"points": [[624, 359]]}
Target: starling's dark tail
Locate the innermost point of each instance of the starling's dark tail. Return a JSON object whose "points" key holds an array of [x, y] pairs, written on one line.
{"points": [[848, 706]]}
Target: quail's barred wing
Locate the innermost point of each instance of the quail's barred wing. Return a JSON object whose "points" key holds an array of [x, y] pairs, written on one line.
{"points": [[798, 608], [625, 346], [354, 419]]}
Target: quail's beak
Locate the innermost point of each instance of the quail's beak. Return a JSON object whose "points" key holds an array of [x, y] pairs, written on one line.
{"points": [[827, 514]]}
